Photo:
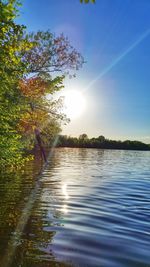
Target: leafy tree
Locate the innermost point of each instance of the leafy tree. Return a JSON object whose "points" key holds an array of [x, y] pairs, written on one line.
{"points": [[24, 109], [12, 43], [52, 54], [49, 55], [32, 66], [83, 136], [41, 115], [101, 138], [88, 1]]}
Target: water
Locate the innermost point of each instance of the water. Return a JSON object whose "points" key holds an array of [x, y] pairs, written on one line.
{"points": [[92, 208]]}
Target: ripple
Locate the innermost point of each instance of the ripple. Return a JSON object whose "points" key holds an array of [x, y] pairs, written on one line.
{"points": [[92, 209]]}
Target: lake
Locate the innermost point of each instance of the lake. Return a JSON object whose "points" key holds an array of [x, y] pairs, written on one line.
{"points": [[90, 207]]}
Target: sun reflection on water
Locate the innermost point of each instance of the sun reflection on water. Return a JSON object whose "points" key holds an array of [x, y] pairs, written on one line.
{"points": [[64, 208], [64, 190], [66, 197]]}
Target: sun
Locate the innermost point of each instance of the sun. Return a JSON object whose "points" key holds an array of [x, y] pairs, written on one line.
{"points": [[74, 102]]}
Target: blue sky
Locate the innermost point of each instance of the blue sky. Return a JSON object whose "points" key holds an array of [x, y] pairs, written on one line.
{"points": [[114, 38]]}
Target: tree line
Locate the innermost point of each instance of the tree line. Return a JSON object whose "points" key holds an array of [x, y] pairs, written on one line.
{"points": [[100, 142], [32, 65]]}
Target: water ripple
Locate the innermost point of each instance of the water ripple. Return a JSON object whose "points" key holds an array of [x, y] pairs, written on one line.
{"points": [[92, 209]]}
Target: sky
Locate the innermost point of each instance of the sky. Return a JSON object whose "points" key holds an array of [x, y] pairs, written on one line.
{"points": [[114, 38]]}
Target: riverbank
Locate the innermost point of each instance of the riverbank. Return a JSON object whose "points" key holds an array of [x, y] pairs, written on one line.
{"points": [[101, 143]]}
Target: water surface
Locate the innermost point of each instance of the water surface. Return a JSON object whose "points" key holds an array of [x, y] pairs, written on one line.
{"points": [[92, 208]]}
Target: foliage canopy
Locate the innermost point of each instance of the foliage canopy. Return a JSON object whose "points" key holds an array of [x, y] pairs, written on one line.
{"points": [[32, 66]]}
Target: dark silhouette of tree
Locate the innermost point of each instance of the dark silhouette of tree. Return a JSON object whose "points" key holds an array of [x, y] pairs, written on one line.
{"points": [[100, 142]]}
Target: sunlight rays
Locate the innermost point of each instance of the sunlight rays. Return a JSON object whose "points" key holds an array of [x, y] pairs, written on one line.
{"points": [[119, 58]]}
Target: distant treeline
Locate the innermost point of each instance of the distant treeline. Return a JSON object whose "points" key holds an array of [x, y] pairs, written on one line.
{"points": [[100, 142]]}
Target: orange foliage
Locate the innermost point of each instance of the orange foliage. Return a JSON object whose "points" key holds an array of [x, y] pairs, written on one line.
{"points": [[32, 120], [33, 87]]}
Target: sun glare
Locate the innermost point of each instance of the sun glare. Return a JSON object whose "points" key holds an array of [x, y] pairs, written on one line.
{"points": [[74, 104]]}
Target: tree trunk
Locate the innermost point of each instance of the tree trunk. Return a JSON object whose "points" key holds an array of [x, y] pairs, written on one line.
{"points": [[38, 138]]}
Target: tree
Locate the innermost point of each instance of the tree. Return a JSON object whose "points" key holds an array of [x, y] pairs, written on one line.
{"points": [[52, 54], [12, 43], [32, 65], [88, 1], [100, 142], [49, 55], [101, 139], [41, 116], [83, 136]]}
